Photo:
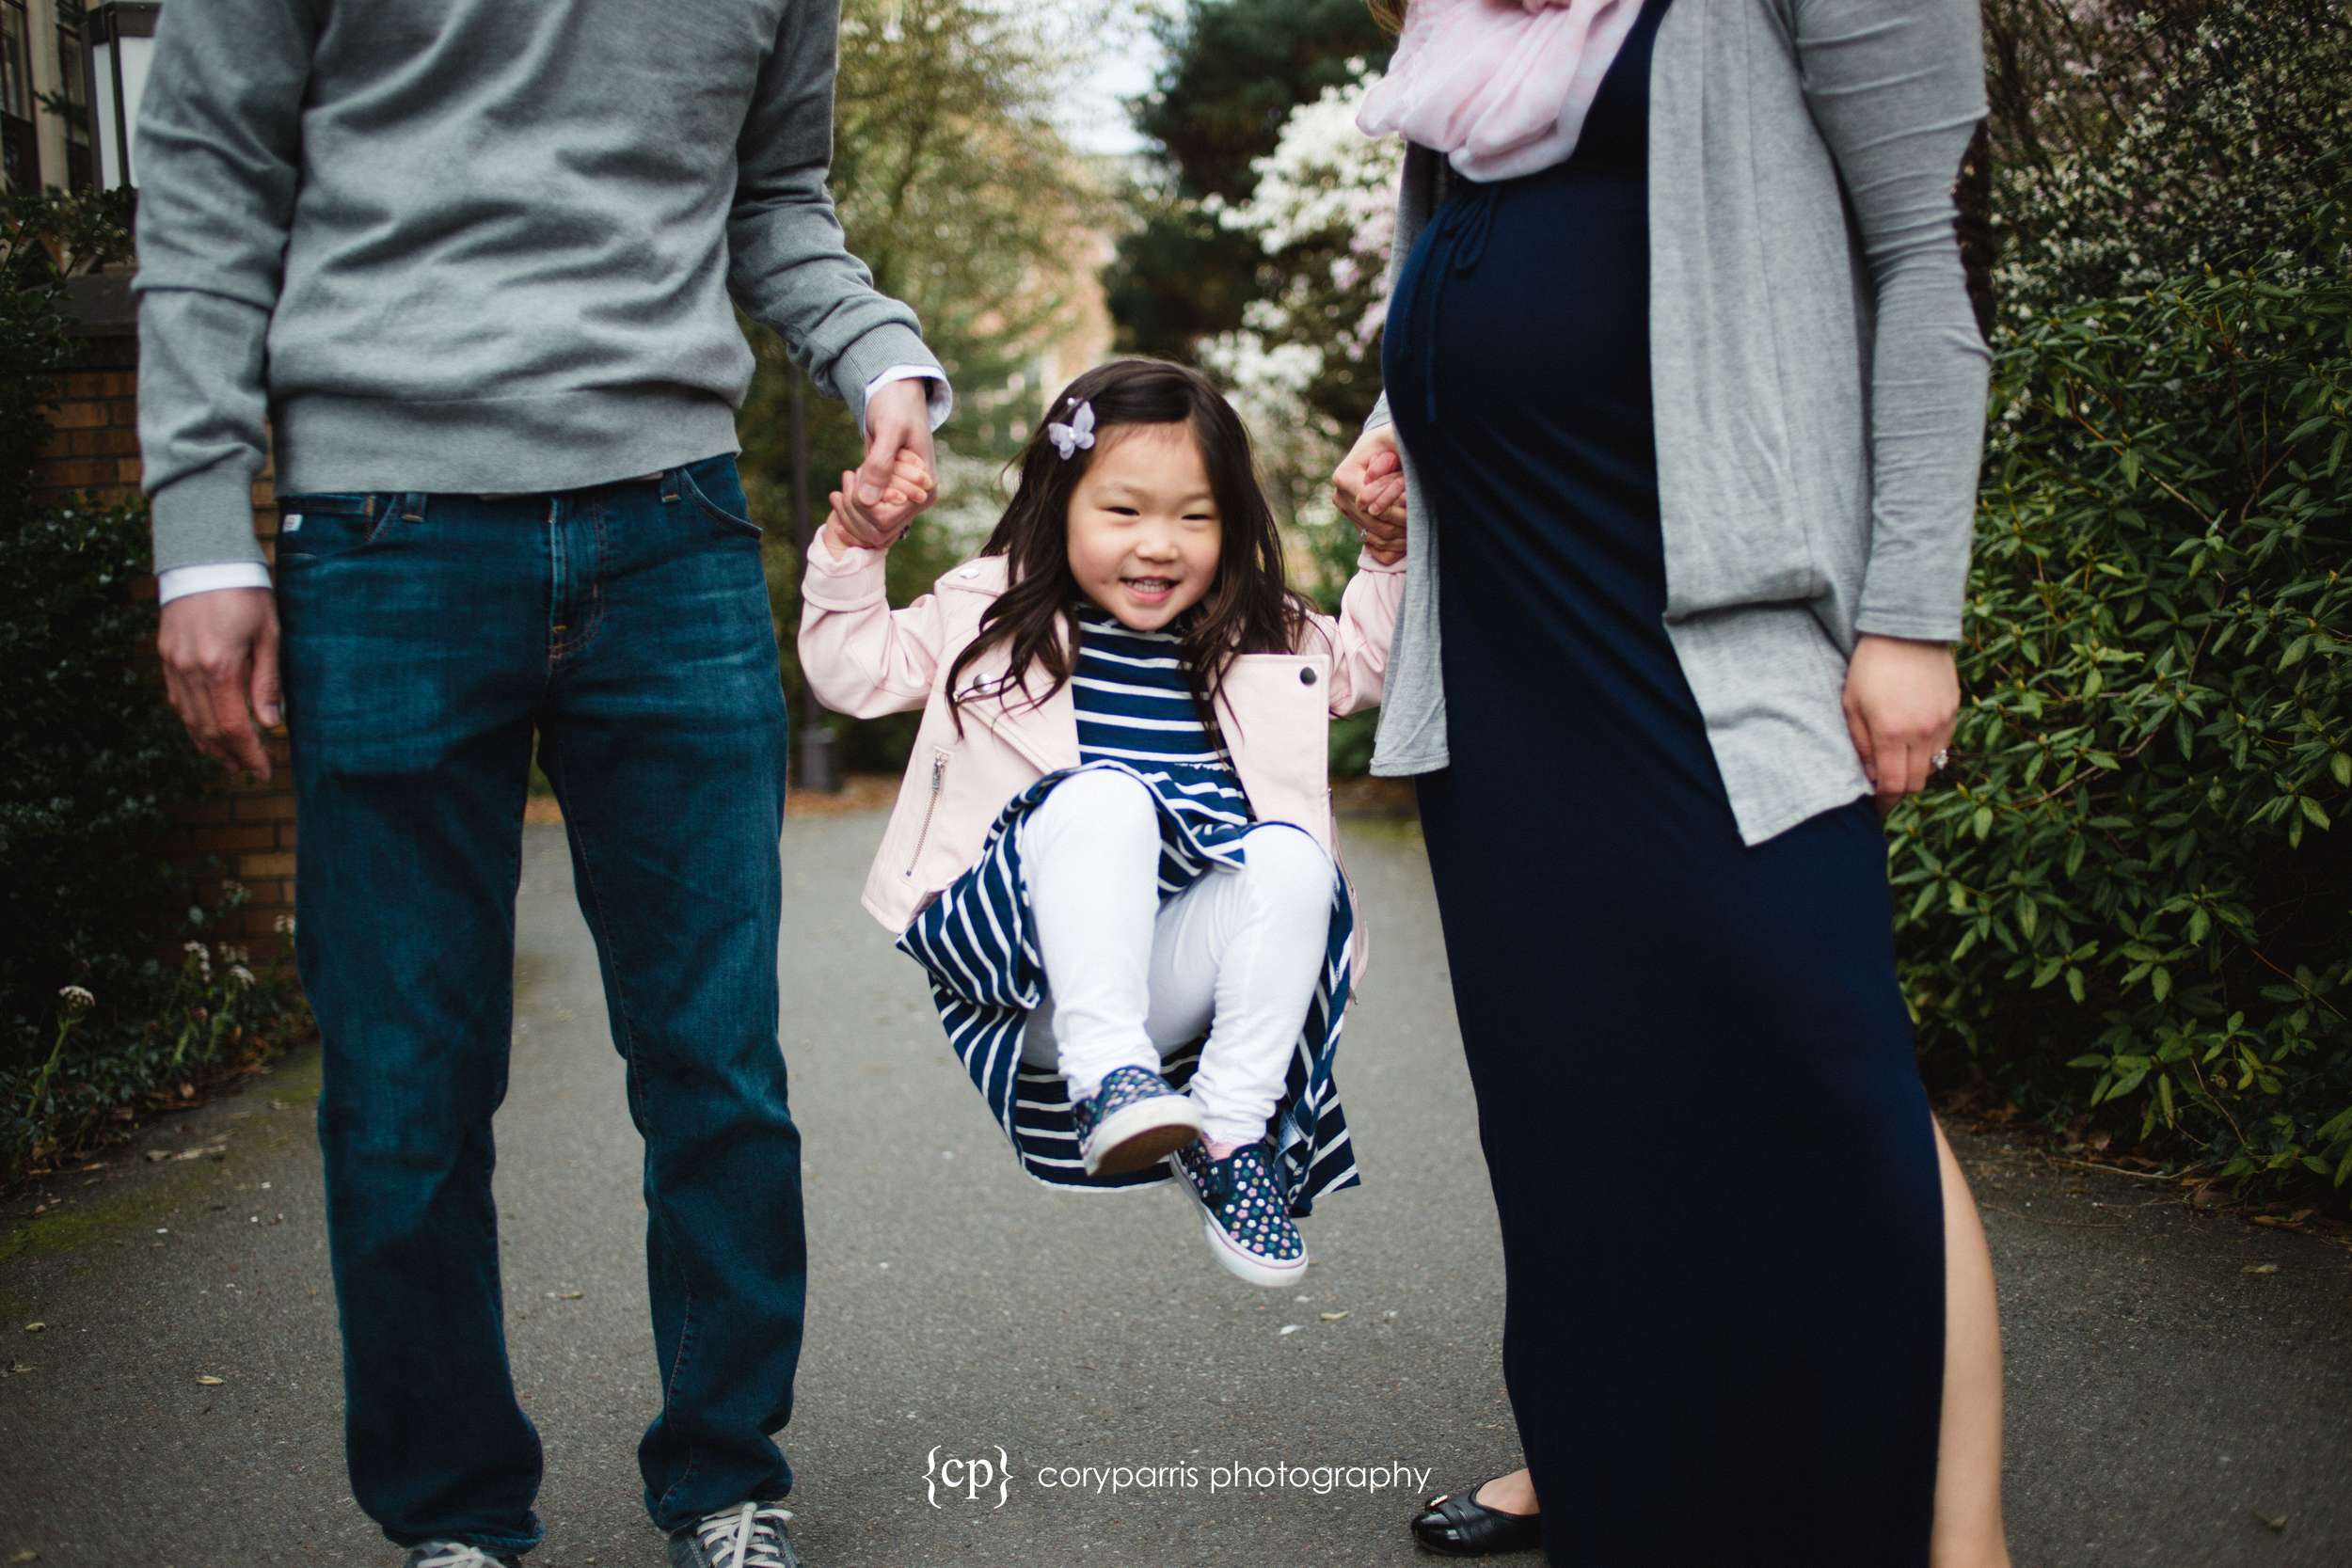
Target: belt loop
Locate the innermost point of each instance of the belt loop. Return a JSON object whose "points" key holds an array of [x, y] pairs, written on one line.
{"points": [[412, 504], [670, 484]]}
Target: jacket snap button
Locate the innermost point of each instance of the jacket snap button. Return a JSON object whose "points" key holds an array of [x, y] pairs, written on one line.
{"points": [[1306, 677]]}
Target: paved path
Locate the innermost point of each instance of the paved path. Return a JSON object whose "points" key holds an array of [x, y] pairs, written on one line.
{"points": [[2162, 1395]]}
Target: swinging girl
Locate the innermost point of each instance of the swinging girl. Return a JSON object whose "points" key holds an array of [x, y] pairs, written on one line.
{"points": [[1113, 852]]}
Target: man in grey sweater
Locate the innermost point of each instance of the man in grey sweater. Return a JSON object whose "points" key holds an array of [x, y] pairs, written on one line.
{"points": [[473, 261]]}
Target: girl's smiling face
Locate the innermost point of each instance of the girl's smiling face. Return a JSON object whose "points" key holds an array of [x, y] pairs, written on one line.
{"points": [[1143, 525]]}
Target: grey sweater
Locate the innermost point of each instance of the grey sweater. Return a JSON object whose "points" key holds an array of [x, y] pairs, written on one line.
{"points": [[1816, 377], [478, 245]]}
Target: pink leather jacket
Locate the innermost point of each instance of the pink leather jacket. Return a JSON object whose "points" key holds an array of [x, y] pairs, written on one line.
{"points": [[863, 658]]}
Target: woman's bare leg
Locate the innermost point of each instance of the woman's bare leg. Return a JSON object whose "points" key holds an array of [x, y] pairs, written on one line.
{"points": [[1511, 1494], [1968, 1530]]}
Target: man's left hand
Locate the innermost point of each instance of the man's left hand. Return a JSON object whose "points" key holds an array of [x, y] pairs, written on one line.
{"points": [[878, 503]]}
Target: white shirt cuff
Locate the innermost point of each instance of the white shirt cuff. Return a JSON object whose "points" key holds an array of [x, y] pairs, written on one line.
{"points": [[942, 396], [178, 581]]}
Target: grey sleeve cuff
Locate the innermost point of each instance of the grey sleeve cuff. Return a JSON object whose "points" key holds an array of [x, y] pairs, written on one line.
{"points": [[1379, 415], [936, 392], [882, 348], [204, 517]]}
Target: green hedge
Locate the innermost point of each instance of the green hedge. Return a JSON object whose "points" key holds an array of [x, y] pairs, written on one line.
{"points": [[2144, 870], [113, 989]]}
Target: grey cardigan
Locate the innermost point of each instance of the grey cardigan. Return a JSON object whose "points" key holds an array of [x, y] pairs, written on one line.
{"points": [[1818, 379]]}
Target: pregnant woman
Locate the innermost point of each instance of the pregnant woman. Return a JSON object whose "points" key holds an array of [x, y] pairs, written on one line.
{"points": [[1688, 397]]}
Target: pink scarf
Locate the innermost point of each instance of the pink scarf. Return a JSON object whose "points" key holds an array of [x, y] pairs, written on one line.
{"points": [[1501, 87]]}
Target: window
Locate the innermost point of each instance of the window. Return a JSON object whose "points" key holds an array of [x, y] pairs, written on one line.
{"points": [[73, 85], [20, 146]]}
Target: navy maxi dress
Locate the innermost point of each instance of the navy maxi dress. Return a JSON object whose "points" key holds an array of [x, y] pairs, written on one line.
{"points": [[1711, 1153]]}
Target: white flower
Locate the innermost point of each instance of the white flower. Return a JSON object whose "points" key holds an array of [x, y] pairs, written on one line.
{"points": [[77, 999], [243, 976]]}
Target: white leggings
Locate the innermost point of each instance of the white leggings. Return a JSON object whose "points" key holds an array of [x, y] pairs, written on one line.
{"points": [[1131, 978]]}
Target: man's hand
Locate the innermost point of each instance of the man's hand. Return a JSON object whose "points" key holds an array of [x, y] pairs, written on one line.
{"points": [[1368, 487], [219, 650], [876, 504], [1901, 698], [907, 477]]}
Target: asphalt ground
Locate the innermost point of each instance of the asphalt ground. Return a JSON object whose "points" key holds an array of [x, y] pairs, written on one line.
{"points": [[2180, 1384]]}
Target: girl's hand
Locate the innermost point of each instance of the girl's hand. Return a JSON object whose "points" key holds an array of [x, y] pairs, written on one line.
{"points": [[1368, 487], [1901, 698], [909, 486]]}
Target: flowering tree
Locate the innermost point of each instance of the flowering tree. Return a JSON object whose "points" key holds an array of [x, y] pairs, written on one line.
{"points": [[1304, 368]]}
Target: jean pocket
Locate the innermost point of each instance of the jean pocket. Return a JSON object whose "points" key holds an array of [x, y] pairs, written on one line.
{"points": [[317, 526], [716, 488]]}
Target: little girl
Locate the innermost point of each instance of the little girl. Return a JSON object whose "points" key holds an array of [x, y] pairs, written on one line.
{"points": [[1114, 851]]}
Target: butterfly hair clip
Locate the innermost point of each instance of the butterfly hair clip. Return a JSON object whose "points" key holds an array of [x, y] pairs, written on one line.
{"points": [[1079, 432]]}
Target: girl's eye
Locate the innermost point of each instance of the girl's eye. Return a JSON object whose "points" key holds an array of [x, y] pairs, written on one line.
{"points": [[1122, 512]]}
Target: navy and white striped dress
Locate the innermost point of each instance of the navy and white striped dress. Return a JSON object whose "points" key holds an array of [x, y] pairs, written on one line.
{"points": [[977, 942]]}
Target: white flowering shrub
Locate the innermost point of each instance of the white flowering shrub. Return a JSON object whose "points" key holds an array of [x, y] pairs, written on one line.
{"points": [[2193, 135], [1303, 369], [1322, 212]]}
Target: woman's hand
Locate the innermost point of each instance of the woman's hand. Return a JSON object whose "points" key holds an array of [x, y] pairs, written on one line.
{"points": [[1901, 698], [909, 486], [1368, 487]]}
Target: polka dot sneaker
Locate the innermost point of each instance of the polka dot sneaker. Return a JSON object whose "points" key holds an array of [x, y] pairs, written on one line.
{"points": [[1247, 1226], [1135, 1119]]}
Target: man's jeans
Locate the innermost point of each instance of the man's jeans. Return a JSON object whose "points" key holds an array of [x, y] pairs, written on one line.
{"points": [[428, 637]]}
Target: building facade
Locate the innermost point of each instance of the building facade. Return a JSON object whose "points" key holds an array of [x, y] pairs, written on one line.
{"points": [[44, 92]]}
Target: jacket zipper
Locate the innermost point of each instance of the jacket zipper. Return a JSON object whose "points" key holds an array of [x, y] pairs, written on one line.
{"points": [[938, 774]]}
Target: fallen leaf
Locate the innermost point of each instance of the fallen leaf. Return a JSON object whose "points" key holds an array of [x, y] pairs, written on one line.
{"points": [[27, 1555], [35, 1329], [18, 1368], [209, 1381], [2275, 1522], [1331, 1317], [565, 1295], [2260, 1267], [157, 1156], [1288, 1328]]}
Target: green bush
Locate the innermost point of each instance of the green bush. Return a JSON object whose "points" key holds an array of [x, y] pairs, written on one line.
{"points": [[2143, 870], [94, 767]]}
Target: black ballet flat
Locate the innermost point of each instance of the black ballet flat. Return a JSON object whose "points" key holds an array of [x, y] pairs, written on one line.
{"points": [[1456, 1524]]}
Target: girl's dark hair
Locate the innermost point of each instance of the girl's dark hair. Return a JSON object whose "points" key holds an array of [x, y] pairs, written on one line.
{"points": [[1248, 608]]}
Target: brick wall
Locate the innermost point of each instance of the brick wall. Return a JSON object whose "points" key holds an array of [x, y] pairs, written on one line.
{"points": [[94, 447]]}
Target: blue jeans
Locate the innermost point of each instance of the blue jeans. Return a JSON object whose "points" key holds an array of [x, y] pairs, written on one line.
{"points": [[426, 639]]}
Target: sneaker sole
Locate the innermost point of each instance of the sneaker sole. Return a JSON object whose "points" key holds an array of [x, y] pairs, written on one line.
{"points": [[1239, 1264], [1142, 1134]]}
